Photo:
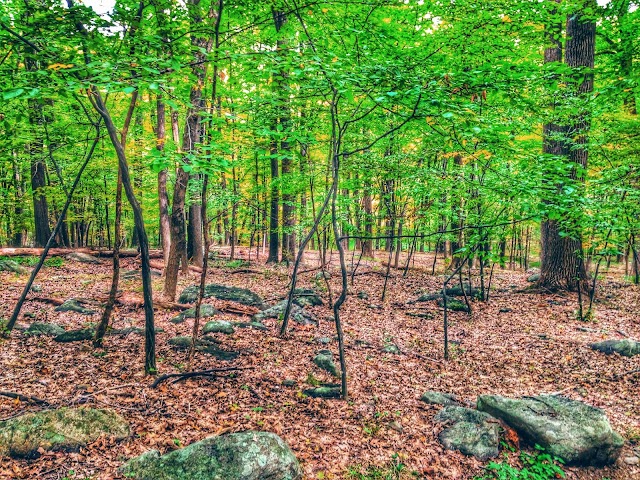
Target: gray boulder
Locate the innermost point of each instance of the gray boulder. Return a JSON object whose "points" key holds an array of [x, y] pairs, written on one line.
{"points": [[204, 344], [206, 311], [304, 297], [324, 360], [438, 398], [533, 278], [235, 456], [82, 257], [41, 328], [11, 266], [298, 314], [324, 391], [626, 347], [218, 327], [65, 429], [73, 305], [576, 432], [76, 335], [223, 292], [470, 432]]}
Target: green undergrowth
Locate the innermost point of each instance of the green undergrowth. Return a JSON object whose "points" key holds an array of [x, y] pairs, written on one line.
{"points": [[393, 470], [32, 260], [536, 466]]}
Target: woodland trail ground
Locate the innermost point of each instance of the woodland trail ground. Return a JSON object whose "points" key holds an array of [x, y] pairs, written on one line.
{"points": [[516, 344]]}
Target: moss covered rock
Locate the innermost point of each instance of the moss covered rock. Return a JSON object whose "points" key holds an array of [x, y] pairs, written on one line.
{"points": [[11, 266], [576, 432], [65, 429], [76, 335], [41, 328], [625, 347], [298, 314], [470, 432], [223, 292], [206, 311], [218, 327], [73, 305], [235, 456], [324, 360]]}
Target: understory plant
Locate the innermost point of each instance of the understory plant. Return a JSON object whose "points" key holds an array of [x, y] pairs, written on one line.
{"points": [[536, 466]]}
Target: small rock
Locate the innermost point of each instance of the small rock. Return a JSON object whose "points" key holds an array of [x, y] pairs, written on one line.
{"points": [[391, 348], [363, 295], [324, 392], [626, 347], [298, 314], [289, 383], [37, 288], [632, 460], [394, 425], [306, 297], [29, 315], [220, 326], [533, 278], [76, 335], [40, 328], [324, 360], [323, 340], [254, 325], [206, 311], [437, 398], [506, 310], [82, 257], [73, 305], [454, 305], [322, 275]]}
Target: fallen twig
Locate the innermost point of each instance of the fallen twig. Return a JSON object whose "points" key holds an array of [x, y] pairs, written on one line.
{"points": [[25, 398]]}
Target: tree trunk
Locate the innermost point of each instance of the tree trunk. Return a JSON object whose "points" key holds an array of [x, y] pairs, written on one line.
{"points": [[561, 263], [163, 196], [191, 136]]}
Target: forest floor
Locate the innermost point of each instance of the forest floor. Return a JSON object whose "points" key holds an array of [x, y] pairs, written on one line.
{"points": [[516, 344]]}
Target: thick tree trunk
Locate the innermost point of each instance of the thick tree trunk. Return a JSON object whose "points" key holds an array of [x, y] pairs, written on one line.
{"points": [[274, 201], [191, 136], [561, 263]]}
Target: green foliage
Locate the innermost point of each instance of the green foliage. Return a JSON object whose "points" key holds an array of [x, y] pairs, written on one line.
{"points": [[31, 261], [394, 470], [537, 466]]}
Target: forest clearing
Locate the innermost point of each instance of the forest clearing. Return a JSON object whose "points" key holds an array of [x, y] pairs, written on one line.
{"points": [[349, 239]]}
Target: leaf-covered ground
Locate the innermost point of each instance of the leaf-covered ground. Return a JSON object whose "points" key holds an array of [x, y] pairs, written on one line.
{"points": [[516, 344]]}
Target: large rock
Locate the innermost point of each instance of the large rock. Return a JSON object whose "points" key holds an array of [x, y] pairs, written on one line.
{"points": [[61, 429], [82, 257], [470, 432], [73, 305], [223, 292], [235, 456], [206, 311], [41, 328], [298, 314], [204, 344], [626, 347], [576, 432], [11, 266]]}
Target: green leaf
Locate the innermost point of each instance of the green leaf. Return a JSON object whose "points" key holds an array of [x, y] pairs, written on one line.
{"points": [[9, 94]]}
